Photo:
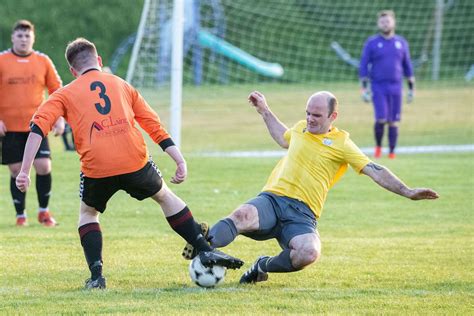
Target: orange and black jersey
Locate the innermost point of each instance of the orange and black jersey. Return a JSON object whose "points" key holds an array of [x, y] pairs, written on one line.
{"points": [[23, 80], [102, 110]]}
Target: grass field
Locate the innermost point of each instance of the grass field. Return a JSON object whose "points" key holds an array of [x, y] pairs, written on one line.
{"points": [[382, 254]]}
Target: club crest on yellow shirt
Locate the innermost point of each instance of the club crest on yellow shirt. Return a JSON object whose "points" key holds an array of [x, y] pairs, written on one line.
{"points": [[327, 141]]}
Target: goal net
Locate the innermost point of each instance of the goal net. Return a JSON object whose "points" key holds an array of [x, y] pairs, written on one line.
{"points": [[295, 41]]}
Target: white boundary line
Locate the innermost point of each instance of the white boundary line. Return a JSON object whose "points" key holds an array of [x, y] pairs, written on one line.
{"points": [[367, 150]]}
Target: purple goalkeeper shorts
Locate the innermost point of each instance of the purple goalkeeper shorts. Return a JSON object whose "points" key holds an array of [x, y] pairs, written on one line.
{"points": [[387, 106]]}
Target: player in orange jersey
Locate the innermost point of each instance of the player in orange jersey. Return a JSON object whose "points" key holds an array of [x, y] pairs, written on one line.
{"points": [[103, 111], [24, 75]]}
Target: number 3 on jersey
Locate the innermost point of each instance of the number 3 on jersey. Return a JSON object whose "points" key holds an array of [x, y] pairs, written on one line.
{"points": [[104, 110]]}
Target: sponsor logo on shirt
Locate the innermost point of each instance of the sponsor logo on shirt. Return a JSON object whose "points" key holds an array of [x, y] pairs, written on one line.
{"points": [[379, 45], [22, 80], [398, 45], [109, 127]]}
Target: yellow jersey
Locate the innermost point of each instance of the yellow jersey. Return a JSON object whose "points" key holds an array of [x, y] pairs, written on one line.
{"points": [[313, 164]]}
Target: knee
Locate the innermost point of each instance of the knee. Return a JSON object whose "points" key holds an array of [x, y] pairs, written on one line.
{"points": [[14, 170], [42, 166], [245, 217], [310, 255], [305, 256], [241, 215], [89, 215], [86, 218], [162, 195], [393, 124]]}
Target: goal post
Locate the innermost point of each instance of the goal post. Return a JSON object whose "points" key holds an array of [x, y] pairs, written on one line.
{"points": [[177, 71], [138, 40], [137, 76]]}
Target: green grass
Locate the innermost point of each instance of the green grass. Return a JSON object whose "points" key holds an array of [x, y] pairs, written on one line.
{"points": [[219, 118], [382, 254]]}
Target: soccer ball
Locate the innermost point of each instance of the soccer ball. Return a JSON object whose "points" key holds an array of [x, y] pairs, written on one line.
{"points": [[204, 276]]}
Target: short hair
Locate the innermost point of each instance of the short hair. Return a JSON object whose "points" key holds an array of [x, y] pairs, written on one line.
{"points": [[386, 13], [23, 25], [80, 52], [332, 104], [331, 101]]}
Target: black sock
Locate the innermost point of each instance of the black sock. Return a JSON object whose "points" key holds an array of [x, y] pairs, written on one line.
{"points": [[378, 132], [18, 197], [392, 137], [184, 224], [280, 263], [223, 233], [43, 188], [91, 241]]}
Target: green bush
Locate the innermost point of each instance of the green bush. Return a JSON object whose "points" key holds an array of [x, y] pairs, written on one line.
{"points": [[57, 22]]}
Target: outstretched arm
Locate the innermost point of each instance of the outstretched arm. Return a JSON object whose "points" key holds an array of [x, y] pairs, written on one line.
{"points": [[383, 177], [31, 148], [276, 128]]}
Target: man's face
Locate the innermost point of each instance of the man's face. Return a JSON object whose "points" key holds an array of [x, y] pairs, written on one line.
{"points": [[317, 117], [23, 41], [386, 24]]}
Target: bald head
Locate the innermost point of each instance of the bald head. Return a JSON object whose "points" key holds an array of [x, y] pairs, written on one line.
{"points": [[321, 111], [323, 98]]}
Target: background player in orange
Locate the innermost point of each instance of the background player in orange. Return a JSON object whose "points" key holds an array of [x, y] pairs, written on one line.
{"points": [[24, 75], [103, 111]]}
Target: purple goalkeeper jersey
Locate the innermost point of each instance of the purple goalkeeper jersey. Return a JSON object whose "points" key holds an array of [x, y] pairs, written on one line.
{"points": [[389, 61]]}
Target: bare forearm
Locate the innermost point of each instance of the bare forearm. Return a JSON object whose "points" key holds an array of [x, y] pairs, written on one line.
{"points": [[175, 154], [181, 170], [31, 148], [276, 128], [383, 177], [386, 179]]}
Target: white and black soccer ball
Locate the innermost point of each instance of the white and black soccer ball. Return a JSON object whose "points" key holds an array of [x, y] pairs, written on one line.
{"points": [[204, 276]]}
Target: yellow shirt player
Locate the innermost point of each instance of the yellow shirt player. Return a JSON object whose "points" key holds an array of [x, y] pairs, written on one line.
{"points": [[313, 164], [293, 197]]}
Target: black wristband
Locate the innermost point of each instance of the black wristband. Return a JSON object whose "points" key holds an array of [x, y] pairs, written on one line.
{"points": [[365, 83], [35, 129], [411, 85], [166, 143]]}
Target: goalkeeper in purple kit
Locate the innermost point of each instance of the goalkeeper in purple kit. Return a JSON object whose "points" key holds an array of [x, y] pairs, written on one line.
{"points": [[385, 61]]}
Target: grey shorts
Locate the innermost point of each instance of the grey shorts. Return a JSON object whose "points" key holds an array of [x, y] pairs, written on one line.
{"points": [[281, 218]]}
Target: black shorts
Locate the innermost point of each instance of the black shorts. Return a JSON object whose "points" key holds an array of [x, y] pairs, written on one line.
{"points": [[141, 184], [13, 146], [282, 218]]}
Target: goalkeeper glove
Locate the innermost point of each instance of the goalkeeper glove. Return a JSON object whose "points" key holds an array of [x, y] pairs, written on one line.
{"points": [[365, 95], [410, 96]]}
